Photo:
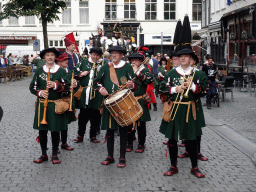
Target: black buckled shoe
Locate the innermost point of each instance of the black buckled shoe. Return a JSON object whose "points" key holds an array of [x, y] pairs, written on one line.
{"points": [[140, 149], [201, 157], [65, 146], [56, 160], [94, 140], [129, 148], [195, 171], [41, 159], [121, 163], [171, 171], [108, 161], [78, 139]]}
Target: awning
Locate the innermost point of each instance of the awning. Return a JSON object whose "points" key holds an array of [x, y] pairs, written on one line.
{"points": [[197, 42]]}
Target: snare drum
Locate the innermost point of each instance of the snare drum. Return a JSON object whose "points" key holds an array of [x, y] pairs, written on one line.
{"points": [[124, 107]]}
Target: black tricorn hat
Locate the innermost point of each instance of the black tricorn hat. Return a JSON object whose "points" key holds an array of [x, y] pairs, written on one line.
{"points": [[188, 51], [173, 54], [117, 48], [96, 50], [52, 49], [136, 56]]}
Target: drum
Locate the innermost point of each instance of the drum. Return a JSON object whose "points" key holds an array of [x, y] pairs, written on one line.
{"points": [[124, 107]]}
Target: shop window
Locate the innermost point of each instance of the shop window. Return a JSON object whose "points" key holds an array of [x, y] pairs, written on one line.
{"points": [[150, 9], [66, 15], [30, 20], [129, 9], [110, 9], [169, 9], [84, 12], [197, 10]]}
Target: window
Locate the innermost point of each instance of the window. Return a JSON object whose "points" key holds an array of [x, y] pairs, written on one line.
{"points": [[30, 19], [110, 9], [197, 10], [51, 43], [84, 12], [56, 43], [61, 43], [13, 21], [66, 15], [129, 9], [150, 9], [169, 9]]}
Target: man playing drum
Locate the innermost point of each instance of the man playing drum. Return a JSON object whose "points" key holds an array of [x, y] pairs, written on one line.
{"points": [[107, 82], [143, 79], [185, 122], [90, 100]]}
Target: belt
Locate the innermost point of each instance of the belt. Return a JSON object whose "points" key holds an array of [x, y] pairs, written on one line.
{"points": [[192, 103]]}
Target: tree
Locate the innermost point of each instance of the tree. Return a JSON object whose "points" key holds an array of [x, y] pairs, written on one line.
{"points": [[46, 10]]}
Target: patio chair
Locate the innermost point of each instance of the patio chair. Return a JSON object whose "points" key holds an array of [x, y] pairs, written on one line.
{"points": [[228, 86]]}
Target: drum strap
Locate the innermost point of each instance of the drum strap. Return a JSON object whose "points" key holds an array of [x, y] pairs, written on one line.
{"points": [[113, 75]]}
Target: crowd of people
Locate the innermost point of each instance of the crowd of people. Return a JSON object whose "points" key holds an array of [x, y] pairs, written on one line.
{"points": [[97, 85]]}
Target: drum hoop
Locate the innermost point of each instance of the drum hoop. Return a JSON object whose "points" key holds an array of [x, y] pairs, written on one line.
{"points": [[118, 100]]}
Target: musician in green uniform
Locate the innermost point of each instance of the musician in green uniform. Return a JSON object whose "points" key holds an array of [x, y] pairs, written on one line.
{"points": [[62, 61], [143, 78], [90, 100], [57, 84], [109, 80], [187, 122]]}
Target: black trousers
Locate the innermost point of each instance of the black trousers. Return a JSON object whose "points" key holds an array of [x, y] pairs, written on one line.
{"points": [[55, 136], [84, 116], [142, 133], [123, 141], [191, 146]]}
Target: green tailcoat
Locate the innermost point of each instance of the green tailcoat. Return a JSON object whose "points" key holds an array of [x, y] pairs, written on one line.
{"points": [[124, 72], [56, 122], [178, 128], [89, 100], [144, 78]]}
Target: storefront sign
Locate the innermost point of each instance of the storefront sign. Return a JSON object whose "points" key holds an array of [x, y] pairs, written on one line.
{"points": [[17, 37]]}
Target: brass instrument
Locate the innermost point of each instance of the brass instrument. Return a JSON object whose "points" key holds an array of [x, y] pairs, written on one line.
{"points": [[72, 92], [193, 70], [44, 122], [92, 78], [176, 102]]}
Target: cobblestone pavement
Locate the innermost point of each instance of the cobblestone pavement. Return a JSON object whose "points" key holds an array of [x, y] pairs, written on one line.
{"points": [[228, 169], [239, 115]]}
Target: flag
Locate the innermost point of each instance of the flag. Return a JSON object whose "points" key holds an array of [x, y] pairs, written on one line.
{"points": [[228, 2], [72, 38], [132, 38]]}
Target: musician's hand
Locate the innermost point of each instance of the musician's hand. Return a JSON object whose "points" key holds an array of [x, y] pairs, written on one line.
{"points": [[103, 91], [129, 84], [50, 84], [73, 84], [187, 83], [180, 88], [84, 73], [44, 93]]}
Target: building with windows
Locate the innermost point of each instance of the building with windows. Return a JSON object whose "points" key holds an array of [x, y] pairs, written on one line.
{"points": [[149, 22], [228, 33]]}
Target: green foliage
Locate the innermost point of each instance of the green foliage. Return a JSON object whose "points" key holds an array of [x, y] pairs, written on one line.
{"points": [[46, 10]]}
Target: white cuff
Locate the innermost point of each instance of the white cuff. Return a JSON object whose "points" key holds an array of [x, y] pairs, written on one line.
{"points": [[55, 86], [141, 69], [39, 93], [173, 90], [193, 87]]}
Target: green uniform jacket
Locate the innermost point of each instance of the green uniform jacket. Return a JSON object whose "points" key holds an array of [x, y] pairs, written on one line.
{"points": [[87, 65], [144, 78], [70, 114], [124, 71], [56, 122], [178, 128]]}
